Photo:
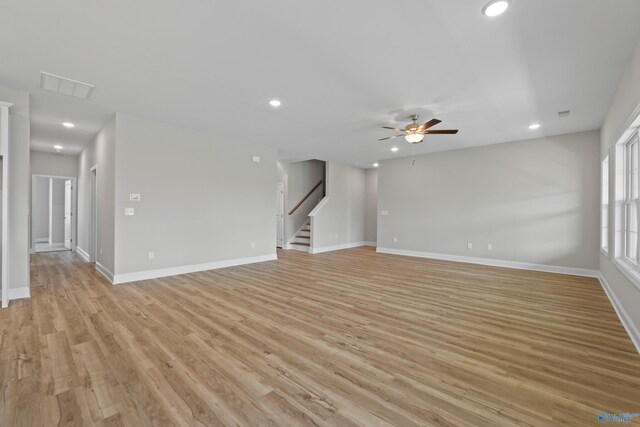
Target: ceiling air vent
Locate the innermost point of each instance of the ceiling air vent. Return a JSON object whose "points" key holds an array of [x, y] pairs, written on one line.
{"points": [[564, 113], [66, 86]]}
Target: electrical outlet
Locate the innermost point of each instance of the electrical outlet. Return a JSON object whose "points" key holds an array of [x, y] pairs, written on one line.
{"points": [[336, 236], [129, 211], [253, 245], [395, 240], [469, 245], [134, 197], [489, 247], [152, 255]]}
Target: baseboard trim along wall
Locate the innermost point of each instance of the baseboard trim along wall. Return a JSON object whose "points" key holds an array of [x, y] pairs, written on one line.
{"points": [[629, 326], [494, 262], [19, 293], [340, 247], [185, 269], [105, 271], [83, 254]]}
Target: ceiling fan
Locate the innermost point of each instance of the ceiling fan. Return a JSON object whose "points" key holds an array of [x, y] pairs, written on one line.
{"points": [[414, 133]]}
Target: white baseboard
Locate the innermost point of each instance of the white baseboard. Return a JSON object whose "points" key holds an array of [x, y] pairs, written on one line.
{"points": [[19, 293], [105, 271], [294, 247], [83, 254], [338, 247], [185, 269], [494, 262], [632, 330], [374, 244]]}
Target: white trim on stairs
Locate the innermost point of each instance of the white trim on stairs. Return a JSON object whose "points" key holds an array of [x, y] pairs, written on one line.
{"points": [[292, 246]]}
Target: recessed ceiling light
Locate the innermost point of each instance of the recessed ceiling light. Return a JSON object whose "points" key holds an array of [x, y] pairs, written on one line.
{"points": [[275, 103], [394, 149], [534, 126], [495, 8], [58, 147], [375, 165], [68, 125]]}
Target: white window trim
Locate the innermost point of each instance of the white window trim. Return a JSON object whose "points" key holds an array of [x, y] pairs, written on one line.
{"points": [[605, 205], [632, 272], [628, 200]]}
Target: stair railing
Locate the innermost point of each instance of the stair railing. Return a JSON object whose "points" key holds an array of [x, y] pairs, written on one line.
{"points": [[295, 208]]}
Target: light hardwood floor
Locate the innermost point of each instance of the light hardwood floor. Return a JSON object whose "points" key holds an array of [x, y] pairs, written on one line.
{"points": [[343, 338]]}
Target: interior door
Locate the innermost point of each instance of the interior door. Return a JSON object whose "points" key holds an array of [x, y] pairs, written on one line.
{"points": [[67, 213], [280, 216]]}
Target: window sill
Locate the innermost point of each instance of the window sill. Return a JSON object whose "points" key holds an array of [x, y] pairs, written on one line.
{"points": [[629, 270]]}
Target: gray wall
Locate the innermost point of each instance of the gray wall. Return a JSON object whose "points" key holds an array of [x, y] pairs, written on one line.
{"points": [[53, 164], [101, 153], [340, 220], [299, 178], [624, 103], [19, 191], [371, 207], [535, 201], [57, 211], [40, 209], [203, 199]]}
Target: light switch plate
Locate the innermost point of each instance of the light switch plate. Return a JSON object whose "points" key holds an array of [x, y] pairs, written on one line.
{"points": [[255, 159], [134, 197], [129, 211], [384, 213]]}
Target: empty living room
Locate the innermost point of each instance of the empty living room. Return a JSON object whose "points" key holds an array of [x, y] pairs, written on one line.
{"points": [[289, 213]]}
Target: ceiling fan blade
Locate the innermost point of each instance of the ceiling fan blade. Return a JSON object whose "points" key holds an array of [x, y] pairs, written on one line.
{"points": [[441, 132], [392, 128], [390, 137], [429, 124]]}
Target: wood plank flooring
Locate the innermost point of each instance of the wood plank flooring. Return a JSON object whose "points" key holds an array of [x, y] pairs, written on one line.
{"points": [[344, 338]]}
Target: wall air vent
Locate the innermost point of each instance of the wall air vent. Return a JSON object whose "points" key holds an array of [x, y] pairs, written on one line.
{"points": [[564, 113], [66, 86]]}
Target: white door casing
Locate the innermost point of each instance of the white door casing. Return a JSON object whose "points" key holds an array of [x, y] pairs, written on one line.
{"points": [[68, 187], [280, 215]]}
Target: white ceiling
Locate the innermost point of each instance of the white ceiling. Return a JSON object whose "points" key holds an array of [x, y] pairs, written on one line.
{"points": [[341, 68]]}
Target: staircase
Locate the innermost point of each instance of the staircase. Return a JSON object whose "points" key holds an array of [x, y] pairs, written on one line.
{"points": [[302, 239]]}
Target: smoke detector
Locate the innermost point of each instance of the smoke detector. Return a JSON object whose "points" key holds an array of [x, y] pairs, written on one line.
{"points": [[65, 86]]}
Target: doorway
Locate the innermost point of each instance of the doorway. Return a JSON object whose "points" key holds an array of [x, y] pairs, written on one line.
{"points": [[93, 212], [52, 213]]}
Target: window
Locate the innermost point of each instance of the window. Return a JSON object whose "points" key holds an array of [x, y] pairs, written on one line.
{"points": [[622, 244], [631, 199], [604, 216]]}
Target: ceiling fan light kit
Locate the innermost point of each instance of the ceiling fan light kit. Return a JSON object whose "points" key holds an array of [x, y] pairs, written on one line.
{"points": [[414, 138], [414, 133]]}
